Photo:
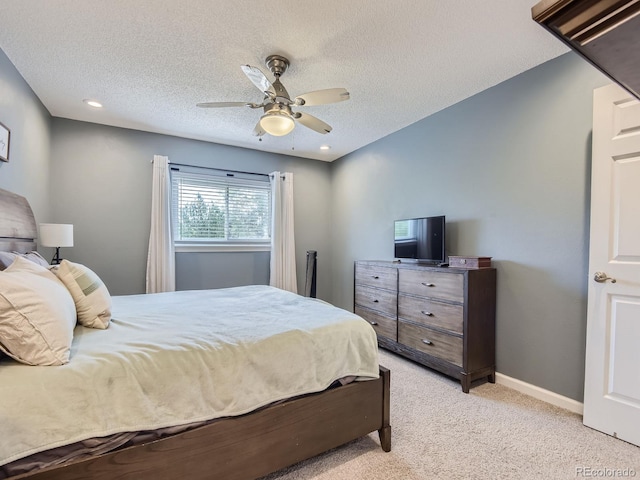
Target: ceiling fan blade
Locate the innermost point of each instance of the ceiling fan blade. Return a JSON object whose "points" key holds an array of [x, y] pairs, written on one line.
{"points": [[322, 97], [227, 104], [258, 131], [313, 123], [259, 80]]}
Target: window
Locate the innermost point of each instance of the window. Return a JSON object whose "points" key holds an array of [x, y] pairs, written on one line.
{"points": [[215, 211]]}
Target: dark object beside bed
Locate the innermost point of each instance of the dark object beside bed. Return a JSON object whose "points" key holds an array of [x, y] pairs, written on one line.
{"points": [[243, 447]]}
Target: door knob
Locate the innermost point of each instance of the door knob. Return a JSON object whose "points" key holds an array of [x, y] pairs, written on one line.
{"points": [[602, 277]]}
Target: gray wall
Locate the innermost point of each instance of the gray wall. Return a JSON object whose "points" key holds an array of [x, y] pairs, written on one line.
{"points": [[27, 172], [101, 182], [240, 268], [510, 168]]}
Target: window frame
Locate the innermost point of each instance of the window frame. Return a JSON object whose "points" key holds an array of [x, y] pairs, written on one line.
{"points": [[229, 180]]}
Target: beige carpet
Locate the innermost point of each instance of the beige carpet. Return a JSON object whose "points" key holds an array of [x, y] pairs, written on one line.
{"points": [[494, 432]]}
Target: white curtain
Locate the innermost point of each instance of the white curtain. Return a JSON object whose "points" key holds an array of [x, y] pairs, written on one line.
{"points": [[283, 248], [161, 271]]}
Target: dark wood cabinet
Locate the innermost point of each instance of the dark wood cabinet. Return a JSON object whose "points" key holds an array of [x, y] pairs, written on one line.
{"points": [[443, 318]]}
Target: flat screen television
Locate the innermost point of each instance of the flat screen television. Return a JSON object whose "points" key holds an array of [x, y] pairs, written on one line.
{"points": [[420, 239]]}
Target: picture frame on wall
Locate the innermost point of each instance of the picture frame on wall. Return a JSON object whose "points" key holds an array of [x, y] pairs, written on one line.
{"points": [[5, 135]]}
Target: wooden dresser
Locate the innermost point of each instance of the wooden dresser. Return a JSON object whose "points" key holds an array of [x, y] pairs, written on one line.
{"points": [[443, 318]]}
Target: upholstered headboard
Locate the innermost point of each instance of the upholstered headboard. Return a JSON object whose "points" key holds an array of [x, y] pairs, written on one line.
{"points": [[18, 231]]}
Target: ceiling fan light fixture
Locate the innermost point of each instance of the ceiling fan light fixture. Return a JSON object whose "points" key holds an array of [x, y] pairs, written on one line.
{"points": [[277, 123], [278, 118]]}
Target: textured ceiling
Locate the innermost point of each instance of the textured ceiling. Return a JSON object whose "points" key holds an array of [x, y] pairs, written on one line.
{"points": [[149, 62]]}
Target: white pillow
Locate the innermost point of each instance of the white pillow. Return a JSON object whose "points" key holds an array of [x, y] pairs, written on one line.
{"points": [[90, 294], [37, 315]]}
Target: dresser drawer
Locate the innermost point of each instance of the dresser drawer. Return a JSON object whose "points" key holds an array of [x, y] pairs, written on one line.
{"points": [[441, 345], [376, 276], [380, 300], [384, 326], [429, 312], [447, 286]]}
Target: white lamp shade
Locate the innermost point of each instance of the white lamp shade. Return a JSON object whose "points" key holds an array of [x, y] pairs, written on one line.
{"points": [[56, 235], [276, 123]]}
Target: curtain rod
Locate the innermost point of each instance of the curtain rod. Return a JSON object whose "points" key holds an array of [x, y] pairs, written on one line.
{"points": [[218, 169]]}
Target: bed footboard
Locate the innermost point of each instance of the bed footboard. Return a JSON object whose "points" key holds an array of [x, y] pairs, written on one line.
{"points": [[252, 445]]}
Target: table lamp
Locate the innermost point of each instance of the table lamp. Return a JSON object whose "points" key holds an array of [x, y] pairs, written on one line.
{"points": [[56, 235]]}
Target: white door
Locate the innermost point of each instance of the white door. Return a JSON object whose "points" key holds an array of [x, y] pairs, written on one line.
{"points": [[612, 375]]}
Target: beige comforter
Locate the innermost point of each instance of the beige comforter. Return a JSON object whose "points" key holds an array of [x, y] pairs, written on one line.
{"points": [[175, 358]]}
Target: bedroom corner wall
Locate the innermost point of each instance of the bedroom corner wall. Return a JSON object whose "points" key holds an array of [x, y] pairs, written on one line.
{"points": [[510, 168], [101, 182], [27, 172]]}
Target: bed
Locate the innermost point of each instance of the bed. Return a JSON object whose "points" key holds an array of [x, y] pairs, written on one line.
{"points": [[219, 436]]}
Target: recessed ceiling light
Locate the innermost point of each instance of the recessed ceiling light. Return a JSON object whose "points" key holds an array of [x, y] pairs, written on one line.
{"points": [[92, 103], [325, 147]]}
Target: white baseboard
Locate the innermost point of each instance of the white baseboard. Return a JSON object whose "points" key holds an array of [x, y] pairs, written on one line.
{"points": [[540, 393]]}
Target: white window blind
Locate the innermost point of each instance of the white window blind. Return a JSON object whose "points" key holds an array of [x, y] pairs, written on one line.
{"points": [[212, 209]]}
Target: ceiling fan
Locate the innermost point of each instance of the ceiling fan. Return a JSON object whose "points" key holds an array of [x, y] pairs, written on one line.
{"points": [[278, 118]]}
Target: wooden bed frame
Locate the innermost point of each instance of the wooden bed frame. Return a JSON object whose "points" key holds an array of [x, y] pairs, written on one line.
{"points": [[243, 447]]}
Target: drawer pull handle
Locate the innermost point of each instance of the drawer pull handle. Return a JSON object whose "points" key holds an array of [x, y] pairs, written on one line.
{"points": [[428, 314], [373, 323], [376, 277], [427, 342], [428, 284], [376, 301]]}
